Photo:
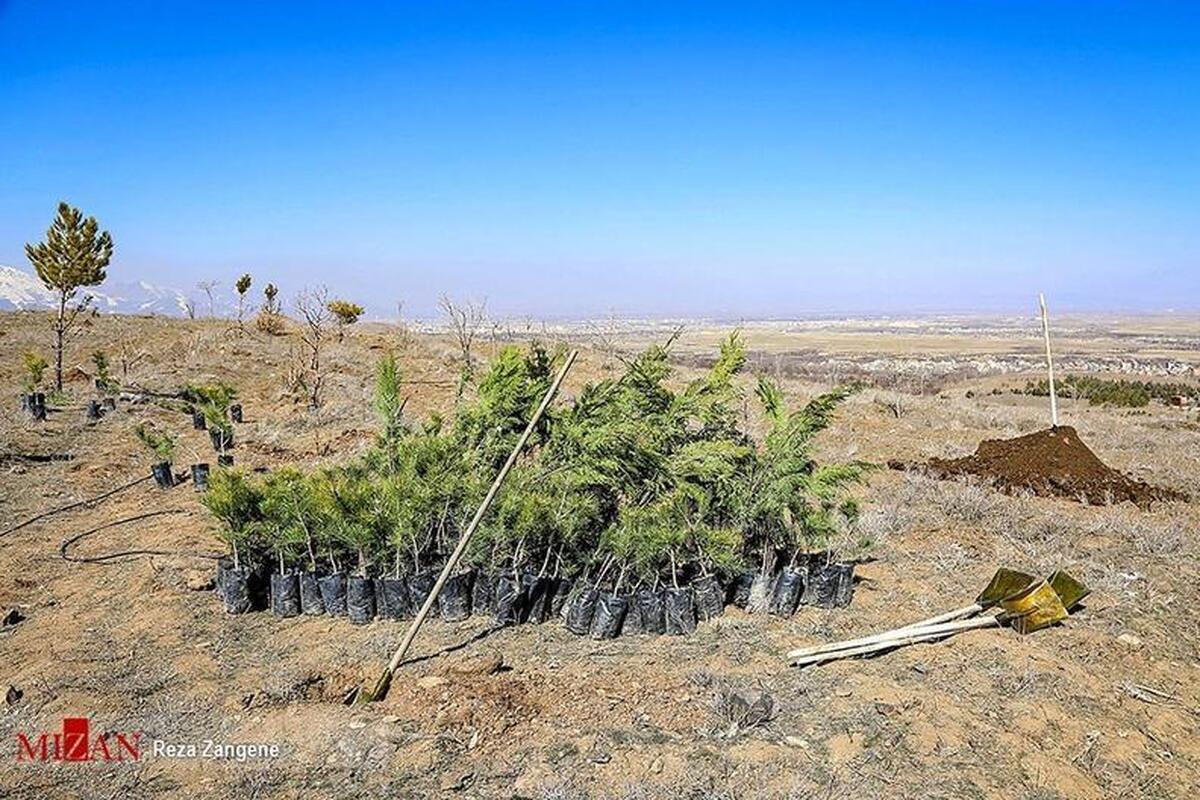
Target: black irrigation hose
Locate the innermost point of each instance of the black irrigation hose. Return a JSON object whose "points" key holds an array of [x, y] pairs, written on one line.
{"points": [[35, 458], [69, 506], [108, 557]]}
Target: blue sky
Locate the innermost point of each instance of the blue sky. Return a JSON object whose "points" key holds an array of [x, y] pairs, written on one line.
{"points": [[738, 159]]}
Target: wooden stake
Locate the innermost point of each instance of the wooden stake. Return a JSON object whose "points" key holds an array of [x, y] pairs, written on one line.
{"points": [[1049, 362], [385, 680]]}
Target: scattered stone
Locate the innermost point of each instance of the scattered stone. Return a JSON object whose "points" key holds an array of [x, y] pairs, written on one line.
{"points": [[796, 741], [456, 783], [431, 681], [1130, 641], [600, 757], [656, 766], [356, 725], [12, 617], [198, 581], [480, 664]]}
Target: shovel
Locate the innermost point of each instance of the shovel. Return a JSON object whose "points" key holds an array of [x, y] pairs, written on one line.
{"points": [[1004, 583], [1027, 604], [385, 679]]}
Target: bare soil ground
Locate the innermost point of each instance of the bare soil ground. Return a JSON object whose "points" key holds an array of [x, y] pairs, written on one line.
{"points": [[1106, 705]]}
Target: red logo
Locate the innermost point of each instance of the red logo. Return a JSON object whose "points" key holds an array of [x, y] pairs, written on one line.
{"points": [[76, 743]]}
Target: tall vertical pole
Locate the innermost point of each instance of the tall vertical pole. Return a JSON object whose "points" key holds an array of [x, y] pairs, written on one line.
{"points": [[1049, 361]]}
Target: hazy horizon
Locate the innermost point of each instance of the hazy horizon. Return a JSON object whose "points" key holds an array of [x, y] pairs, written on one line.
{"points": [[568, 162]]}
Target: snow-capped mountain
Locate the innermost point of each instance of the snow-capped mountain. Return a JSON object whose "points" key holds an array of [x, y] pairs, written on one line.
{"points": [[21, 290]]}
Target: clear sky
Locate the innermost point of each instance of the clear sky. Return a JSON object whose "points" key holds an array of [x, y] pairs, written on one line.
{"points": [[739, 159]]}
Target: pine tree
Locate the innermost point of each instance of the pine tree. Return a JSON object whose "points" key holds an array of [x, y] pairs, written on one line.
{"points": [[75, 254], [242, 286]]}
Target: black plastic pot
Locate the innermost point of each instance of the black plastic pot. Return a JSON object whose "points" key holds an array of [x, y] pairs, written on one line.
{"points": [[788, 589], [762, 588], [419, 587], [225, 460], [652, 611], [709, 597], [109, 403], [198, 422], [235, 412], [236, 590], [679, 608], [483, 593], [37, 406], [391, 598], [632, 625], [360, 599], [221, 439], [285, 595], [739, 588], [609, 614], [560, 596], [223, 565], [455, 597], [509, 600], [814, 564], [162, 474], [834, 585], [538, 591], [333, 593], [581, 611], [311, 604], [92, 412], [200, 477]]}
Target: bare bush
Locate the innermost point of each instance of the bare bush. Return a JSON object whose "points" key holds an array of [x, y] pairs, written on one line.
{"points": [[313, 307], [466, 320]]}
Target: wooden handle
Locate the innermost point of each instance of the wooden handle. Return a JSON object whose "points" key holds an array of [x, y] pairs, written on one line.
{"points": [[879, 638], [948, 616], [914, 636]]}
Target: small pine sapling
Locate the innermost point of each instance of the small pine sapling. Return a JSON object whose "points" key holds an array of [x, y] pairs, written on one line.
{"points": [[160, 443], [104, 379], [270, 314], [242, 286], [235, 502], [35, 371], [292, 507]]}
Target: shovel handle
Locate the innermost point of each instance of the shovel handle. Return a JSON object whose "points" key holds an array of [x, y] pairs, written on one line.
{"points": [[887, 635], [899, 634], [914, 636]]}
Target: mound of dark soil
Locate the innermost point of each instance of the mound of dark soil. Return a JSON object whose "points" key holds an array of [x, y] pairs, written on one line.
{"points": [[1052, 462]]}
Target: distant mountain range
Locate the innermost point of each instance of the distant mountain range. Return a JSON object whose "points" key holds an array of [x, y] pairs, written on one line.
{"points": [[22, 290]]}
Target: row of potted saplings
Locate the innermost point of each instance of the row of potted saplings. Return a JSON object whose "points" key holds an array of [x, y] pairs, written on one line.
{"points": [[162, 445], [588, 608], [34, 404]]}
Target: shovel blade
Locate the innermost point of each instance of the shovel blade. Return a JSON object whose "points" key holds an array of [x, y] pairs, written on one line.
{"points": [[1005, 583], [1070, 591], [1037, 607]]}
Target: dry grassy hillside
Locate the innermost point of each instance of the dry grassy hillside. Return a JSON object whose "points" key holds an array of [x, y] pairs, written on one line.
{"points": [[1105, 705]]}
